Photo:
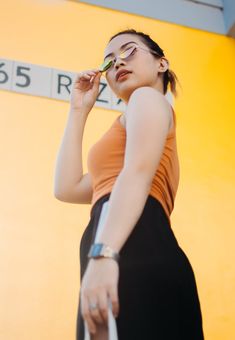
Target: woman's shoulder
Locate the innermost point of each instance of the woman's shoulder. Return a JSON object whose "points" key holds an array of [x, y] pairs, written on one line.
{"points": [[147, 97]]}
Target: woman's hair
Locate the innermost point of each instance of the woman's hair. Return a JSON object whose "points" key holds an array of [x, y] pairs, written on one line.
{"points": [[169, 76]]}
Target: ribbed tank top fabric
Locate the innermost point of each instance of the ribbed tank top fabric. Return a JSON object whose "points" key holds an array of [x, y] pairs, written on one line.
{"points": [[106, 158]]}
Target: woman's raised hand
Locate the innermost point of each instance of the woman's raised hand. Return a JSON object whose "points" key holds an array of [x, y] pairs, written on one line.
{"points": [[85, 89]]}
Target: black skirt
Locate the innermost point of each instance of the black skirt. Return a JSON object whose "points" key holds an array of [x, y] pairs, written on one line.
{"points": [[157, 290]]}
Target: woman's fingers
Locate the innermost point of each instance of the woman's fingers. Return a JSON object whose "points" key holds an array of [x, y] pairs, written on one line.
{"points": [[86, 315], [113, 294], [86, 78], [86, 74], [99, 315], [95, 312], [103, 305]]}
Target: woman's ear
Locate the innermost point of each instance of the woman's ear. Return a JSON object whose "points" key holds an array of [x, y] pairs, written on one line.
{"points": [[164, 65]]}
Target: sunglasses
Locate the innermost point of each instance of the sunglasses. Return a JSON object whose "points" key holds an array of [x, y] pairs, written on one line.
{"points": [[130, 51]]}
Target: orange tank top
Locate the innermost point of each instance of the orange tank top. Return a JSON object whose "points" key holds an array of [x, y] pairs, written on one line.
{"points": [[106, 158]]}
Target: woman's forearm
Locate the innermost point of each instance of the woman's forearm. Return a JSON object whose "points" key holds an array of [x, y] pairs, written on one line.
{"points": [[68, 169], [127, 202]]}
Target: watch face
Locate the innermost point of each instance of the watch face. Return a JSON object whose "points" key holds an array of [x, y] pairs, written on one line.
{"points": [[97, 249], [101, 250]]}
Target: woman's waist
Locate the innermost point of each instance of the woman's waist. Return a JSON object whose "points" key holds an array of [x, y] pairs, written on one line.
{"points": [[153, 216]]}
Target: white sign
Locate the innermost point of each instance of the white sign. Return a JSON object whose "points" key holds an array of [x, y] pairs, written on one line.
{"points": [[52, 83]]}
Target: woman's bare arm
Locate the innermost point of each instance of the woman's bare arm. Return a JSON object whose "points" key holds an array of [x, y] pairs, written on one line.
{"points": [[70, 185]]}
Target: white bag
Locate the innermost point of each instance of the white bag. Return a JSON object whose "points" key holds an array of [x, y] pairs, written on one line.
{"points": [[112, 327]]}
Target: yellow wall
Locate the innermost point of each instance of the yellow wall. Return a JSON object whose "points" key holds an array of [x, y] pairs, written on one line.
{"points": [[40, 235]]}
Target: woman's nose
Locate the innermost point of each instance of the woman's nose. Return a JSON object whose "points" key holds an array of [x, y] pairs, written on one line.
{"points": [[118, 62]]}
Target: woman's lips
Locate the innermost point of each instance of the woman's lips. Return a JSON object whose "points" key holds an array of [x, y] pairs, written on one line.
{"points": [[123, 75]]}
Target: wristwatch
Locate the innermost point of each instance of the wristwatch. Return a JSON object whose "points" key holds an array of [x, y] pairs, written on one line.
{"points": [[98, 250]]}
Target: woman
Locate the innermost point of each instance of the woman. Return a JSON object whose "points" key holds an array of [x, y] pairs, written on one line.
{"points": [[148, 277]]}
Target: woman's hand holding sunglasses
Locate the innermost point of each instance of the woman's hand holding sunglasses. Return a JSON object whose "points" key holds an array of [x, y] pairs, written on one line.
{"points": [[85, 90]]}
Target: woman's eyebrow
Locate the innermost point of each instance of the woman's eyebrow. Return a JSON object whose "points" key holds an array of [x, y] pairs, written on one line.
{"points": [[120, 48]]}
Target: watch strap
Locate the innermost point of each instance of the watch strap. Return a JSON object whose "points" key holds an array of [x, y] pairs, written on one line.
{"points": [[99, 250]]}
